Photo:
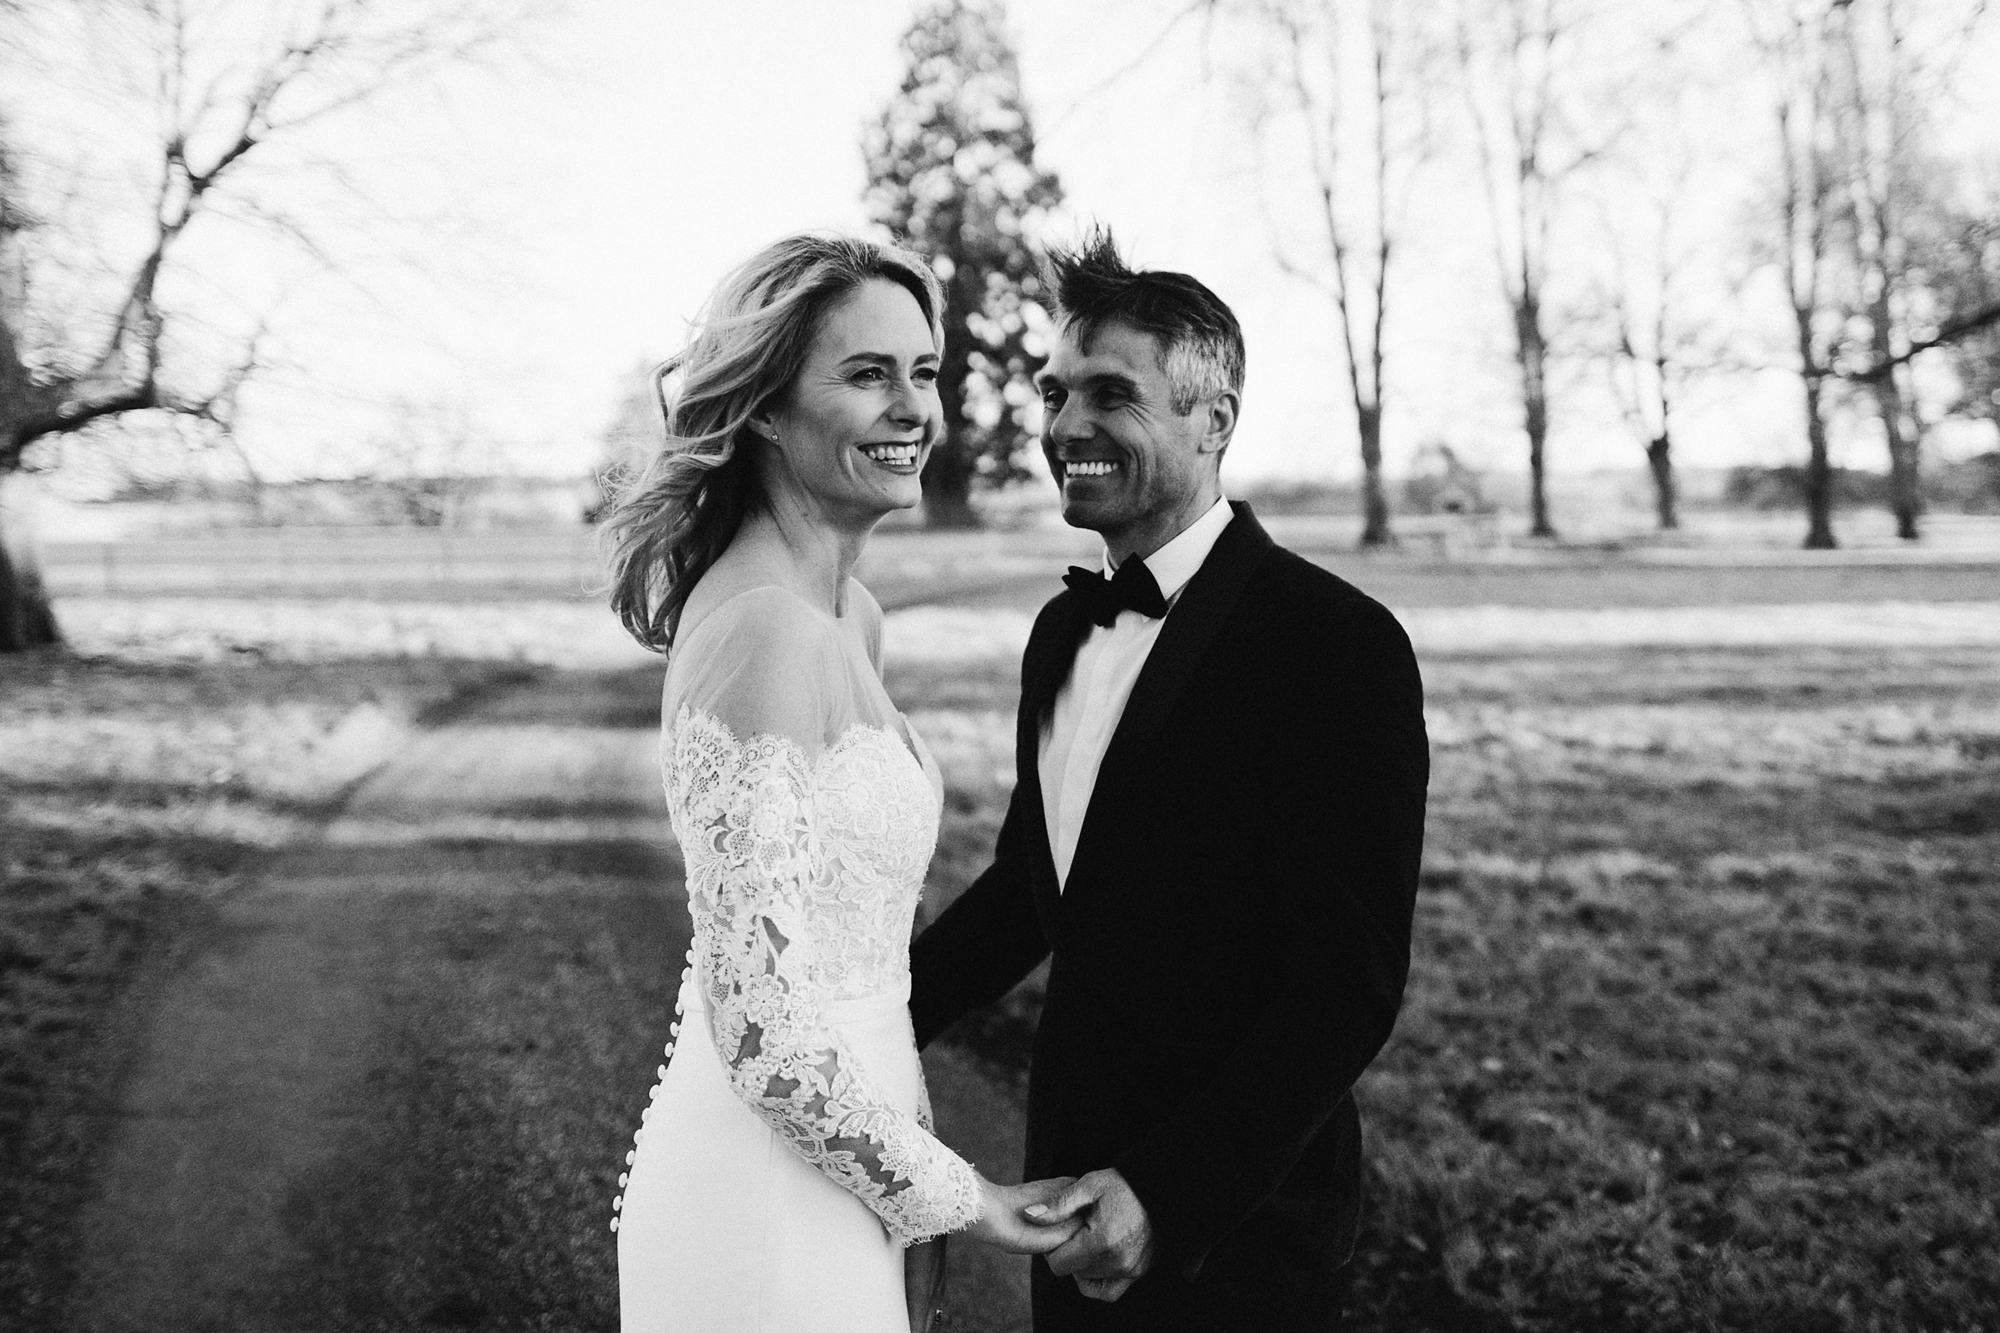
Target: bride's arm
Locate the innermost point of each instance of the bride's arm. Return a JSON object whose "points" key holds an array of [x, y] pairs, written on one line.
{"points": [[766, 1013], [752, 711], [765, 1016]]}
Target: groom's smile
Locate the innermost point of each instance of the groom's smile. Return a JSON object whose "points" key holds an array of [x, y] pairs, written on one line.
{"points": [[1126, 463]]}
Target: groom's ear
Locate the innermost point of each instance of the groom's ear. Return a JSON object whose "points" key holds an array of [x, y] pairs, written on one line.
{"points": [[1220, 426]]}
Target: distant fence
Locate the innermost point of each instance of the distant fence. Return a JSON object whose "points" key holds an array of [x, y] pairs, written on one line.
{"points": [[551, 561], [1442, 559]]}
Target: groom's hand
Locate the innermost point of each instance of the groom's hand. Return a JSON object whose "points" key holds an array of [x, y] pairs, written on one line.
{"points": [[1115, 1247]]}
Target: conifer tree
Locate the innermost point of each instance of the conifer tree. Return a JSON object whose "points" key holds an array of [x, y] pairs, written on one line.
{"points": [[952, 174]]}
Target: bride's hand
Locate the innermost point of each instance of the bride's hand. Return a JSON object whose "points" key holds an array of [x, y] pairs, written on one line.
{"points": [[1001, 1224]]}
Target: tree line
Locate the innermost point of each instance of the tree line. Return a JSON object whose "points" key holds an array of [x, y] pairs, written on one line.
{"points": [[1856, 252], [1577, 128]]}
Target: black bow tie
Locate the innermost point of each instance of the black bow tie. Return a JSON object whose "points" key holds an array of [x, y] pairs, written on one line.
{"points": [[1132, 588]]}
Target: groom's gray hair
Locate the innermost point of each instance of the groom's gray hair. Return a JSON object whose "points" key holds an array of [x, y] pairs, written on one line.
{"points": [[1201, 344]]}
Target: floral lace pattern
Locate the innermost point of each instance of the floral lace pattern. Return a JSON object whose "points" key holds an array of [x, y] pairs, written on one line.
{"points": [[803, 876]]}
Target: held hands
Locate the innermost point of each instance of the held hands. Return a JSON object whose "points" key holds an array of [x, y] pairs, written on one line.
{"points": [[1002, 1221], [1113, 1249]]}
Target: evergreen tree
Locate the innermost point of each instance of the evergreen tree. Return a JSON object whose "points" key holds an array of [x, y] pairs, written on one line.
{"points": [[951, 172]]}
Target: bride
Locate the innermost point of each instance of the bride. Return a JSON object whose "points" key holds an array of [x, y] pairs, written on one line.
{"points": [[787, 1166]]}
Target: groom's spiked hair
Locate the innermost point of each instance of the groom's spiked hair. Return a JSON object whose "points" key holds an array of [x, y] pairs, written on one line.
{"points": [[1201, 344]]}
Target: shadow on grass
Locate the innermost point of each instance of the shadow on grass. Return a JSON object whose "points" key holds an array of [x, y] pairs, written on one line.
{"points": [[627, 699]]}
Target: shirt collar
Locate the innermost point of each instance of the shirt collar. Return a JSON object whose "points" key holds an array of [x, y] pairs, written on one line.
{"points": [[1180, 559]]}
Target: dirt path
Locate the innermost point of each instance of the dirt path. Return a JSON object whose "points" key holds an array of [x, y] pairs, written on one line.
{"points": [[393, 1086]]}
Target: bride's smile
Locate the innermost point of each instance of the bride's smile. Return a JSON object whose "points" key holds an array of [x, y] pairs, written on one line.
{"points": [[852, 434]]}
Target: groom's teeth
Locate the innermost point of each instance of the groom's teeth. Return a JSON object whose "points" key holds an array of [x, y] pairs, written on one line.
{"points": [[891, 453], [1099, 469]]}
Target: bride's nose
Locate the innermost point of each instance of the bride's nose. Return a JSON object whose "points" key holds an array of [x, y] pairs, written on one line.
{"points": [[908, 406]]}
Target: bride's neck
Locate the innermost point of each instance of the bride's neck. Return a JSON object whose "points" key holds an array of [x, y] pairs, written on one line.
{"points": [[808, 555]]}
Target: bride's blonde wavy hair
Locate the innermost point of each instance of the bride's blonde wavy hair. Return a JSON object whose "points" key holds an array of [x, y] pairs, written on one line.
{"points": [[674, 515]]}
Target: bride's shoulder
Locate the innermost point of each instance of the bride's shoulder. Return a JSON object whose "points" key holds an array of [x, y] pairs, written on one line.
{"points": [[868, 612], [762, 618], [760, 659]]}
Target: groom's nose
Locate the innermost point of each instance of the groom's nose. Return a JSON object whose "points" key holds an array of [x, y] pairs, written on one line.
{"points": [[1070, 422]]}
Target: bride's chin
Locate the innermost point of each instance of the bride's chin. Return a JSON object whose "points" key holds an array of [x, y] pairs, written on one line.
{"points": [[907, 496]]}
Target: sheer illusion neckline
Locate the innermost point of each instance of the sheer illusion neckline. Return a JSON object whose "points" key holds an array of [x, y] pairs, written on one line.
{"points": [[897, 726]]}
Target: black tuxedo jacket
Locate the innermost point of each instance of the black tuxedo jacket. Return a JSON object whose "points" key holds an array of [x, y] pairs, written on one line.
{"points": [[1232, 942]]}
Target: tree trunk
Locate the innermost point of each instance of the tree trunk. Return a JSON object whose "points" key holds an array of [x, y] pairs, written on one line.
{"points": [[948, 498], [1374, 497], [1666, 497], [953, 462], [1905, 499], [954, 459], [1532, 352], [1819, 473], [26, 620]]}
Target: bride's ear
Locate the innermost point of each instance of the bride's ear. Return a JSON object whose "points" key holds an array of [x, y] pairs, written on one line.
{"points": [[763, 422]]}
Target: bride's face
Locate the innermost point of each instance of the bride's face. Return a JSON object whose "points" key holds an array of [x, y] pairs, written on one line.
{"points": [[859, 421]]}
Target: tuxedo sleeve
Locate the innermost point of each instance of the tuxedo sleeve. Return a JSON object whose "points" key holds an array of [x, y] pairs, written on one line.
{"points": [[1346, 838]]}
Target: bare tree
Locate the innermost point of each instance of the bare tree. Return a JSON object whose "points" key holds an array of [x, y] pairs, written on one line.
{"points": [[1653, 309], [431, 461], [1795, 42], [1870, 117], [217, 117], [1955, 280], [1894, 67], [1353, 86], [1647, 344], [1520, 61]]}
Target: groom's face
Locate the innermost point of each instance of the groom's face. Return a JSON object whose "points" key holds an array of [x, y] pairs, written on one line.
{"points": [[1127, 464]]}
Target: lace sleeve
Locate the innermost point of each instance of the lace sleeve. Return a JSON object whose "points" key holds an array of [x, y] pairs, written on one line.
{"points": [[755, 872]]}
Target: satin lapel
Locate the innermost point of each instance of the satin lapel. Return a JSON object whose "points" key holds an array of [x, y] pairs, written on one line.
{"points": [[1042, 680], [1191, 627]]}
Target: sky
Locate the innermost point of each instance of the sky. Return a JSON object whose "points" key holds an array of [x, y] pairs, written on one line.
{"points": [[536, 229]]}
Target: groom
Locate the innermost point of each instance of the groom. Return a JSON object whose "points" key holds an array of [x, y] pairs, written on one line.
{"points": [[1215, 831]]}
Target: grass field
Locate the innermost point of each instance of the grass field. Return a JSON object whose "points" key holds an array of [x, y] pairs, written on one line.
{"points": [[1702, 1022], [1708, 981], [1701, 1031]]}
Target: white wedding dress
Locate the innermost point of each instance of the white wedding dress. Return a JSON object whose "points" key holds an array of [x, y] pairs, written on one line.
{"points": [[787, 1157]]}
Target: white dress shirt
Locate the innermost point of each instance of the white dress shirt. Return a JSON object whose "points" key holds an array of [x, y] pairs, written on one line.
{"points": [[1091, 701]]}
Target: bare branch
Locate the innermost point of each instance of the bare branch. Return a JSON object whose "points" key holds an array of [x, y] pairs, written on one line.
{"points": [[1949, 332], [349, 53], [1122, 72]]}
